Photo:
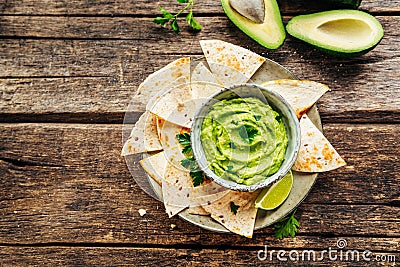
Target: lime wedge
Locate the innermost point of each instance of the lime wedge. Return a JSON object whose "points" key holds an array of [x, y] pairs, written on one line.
{"points": [[270, 198]]}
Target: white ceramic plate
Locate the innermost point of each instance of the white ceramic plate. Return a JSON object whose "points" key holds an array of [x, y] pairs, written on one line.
{"points": [[302, 183]]}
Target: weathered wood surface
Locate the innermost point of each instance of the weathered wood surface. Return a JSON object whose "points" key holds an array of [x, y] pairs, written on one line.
{"points": [[47, 65], [60, 179], [150, 8], [81, 256], [67, 197]]}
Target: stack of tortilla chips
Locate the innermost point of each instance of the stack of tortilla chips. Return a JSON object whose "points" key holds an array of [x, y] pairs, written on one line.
{"points": [[173, 94]]}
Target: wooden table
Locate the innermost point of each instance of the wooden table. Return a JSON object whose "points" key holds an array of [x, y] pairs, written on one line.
{"points": [[68, 71]]}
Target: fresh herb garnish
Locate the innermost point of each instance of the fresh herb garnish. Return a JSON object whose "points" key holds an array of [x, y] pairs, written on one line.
{"points": [[286, 227], [189, 162], [257, 117], [172, 18], [232, 145], [247, 133], [229, 168], [234, 207], [184, 140], [198, 177]]}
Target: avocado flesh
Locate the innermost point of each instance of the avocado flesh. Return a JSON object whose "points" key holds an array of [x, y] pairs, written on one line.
{"points": [[270, 33], [340, 32]]}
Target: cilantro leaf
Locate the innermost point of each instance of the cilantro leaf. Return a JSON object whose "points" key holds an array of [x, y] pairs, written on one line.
{"points": [[234, 207], [174, 26], [189, 162], [161, 21], [165, 13], [257, 117], [192, 22], [183, 139], [187, 150], [172, 18], [198, 177], [248, 133], [286, 227], [232, 145]]}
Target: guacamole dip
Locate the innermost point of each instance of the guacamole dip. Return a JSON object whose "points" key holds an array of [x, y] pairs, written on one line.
{"points": [[244, 140]]}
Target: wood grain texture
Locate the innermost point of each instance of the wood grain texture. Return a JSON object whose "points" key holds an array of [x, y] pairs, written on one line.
{"points": [[150, 8], [67, 183], [42, 76], [67, 256]]}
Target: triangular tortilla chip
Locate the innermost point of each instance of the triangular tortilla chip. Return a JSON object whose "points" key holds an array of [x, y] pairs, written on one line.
{"points": [[143, 137], [163, 78], [155, 166], [203, 82], [234, 58], [242, 222], [176, 189], [300, 94], [169, 143], [198, 210], [175, 105], [316, 154]]}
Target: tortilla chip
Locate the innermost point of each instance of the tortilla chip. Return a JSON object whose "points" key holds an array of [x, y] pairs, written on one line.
{"points": [[155, 166], [169, 143], [163, 78], [229, 59], [174, 105], [198, 210], [316, 154], [203, 82], [143, 137], [176, 189], [301, 95], [243, 221]]}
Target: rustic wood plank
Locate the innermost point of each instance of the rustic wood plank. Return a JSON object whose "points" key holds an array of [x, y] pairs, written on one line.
{"points": [[359, 93], [67, 183], [150, 8], [105, 256]]}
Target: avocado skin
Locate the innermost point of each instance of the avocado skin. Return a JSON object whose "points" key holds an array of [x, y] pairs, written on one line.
{"points": [[346, 3], [244, 27]]}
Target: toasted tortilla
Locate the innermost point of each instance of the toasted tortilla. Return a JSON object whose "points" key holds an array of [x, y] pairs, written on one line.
{"points": [[143, 137], [155, 166], [176, 189], [163, 78], [169, 143], [231, 64], [243, 221], [198, 210], [300, 94], [203, 82], [174, 105], [316, 154]]}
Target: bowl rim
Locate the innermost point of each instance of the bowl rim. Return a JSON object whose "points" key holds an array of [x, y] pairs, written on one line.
{"points": [[198, 151]]}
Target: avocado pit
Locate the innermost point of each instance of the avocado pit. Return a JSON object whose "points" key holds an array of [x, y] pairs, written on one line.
{"points": [[254, 10]]}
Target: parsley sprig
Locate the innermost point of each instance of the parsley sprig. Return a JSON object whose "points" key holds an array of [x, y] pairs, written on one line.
{"points": [[189, 162], [248, 133], [286, 227], [234, 207], [172, 18]]}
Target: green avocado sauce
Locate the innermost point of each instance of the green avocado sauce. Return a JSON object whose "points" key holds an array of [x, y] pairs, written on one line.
{"points": [[244, 140]]}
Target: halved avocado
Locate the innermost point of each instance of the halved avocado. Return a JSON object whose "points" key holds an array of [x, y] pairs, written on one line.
{"points": [[339, 32], [270, 33]]}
